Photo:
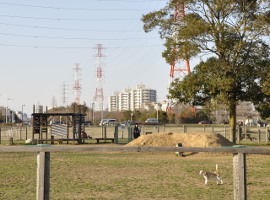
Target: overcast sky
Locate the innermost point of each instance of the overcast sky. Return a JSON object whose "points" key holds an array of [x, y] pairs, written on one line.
{"points": [[41, 40]]}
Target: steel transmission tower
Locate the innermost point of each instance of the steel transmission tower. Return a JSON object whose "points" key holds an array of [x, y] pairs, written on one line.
{"points": [[99, 98], [77, 85], [179, 67], [63, 94]]}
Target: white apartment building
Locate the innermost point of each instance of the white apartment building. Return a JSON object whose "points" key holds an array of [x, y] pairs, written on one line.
{"points": [[113, 102], [124, 100], [131, 99]]}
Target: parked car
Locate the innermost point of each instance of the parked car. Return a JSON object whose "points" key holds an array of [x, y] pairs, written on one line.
{"points": [[58, 122], [108, 122], [87, 123], [129, 122], [204, 122], [151, 121], [103, 121]]}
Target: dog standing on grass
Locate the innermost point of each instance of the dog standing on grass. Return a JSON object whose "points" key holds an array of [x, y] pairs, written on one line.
{"points": [[209, 175]]}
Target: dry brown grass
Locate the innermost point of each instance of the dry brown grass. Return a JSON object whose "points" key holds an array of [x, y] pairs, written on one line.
{"points": [[129, 175]]}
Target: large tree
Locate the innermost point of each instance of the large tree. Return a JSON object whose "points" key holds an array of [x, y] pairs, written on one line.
{"points": [[235, 33]]}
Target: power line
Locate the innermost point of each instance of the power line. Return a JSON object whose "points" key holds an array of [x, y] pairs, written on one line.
{"points": [[65, 38], [70, 47], [128, 1], [64, 8], [64, 29], [61, 19]]}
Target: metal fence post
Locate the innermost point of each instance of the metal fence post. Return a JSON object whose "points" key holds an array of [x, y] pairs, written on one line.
{"points": [[266, 134], [116, 133], [238, 134], [239, 176], [43, 176], [259, 133], [129, 133], [25, 133]]}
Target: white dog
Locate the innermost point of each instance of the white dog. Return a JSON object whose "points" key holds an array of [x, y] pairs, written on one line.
{"points": [[209, 175]]}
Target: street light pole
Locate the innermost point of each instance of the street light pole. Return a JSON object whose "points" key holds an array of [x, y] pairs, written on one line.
{"points": [[22, 114], [7, 110], [93, 113], [157, 107], [131, 115]]}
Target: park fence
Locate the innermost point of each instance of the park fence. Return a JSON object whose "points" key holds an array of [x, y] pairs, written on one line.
{"points": [[123, 133]]}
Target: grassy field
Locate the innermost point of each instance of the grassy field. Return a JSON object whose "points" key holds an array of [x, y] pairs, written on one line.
{"points": [[129, 175]]}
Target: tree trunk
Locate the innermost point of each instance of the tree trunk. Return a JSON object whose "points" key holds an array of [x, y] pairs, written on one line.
{"points": [[232, 109]]}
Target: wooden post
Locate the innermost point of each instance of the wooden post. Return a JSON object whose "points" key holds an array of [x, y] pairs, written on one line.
{"points": [[239, 176], [43, 176], [74, 128], [52, 139], [11, 141], [238, 134], [179, 153], [105, 133], [0, 135], [116, 134], [266, 135], [25, 133], [225, 135], [102, 129], [259, 135], [204, 129], [67, 132], [245, 132]]}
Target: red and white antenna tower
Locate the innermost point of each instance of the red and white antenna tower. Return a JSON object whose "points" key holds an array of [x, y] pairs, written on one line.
{"points": [[77, 86], [179, 67], [99, 98]]}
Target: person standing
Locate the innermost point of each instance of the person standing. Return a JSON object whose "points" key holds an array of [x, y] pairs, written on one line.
{"points": [[136, 131]]}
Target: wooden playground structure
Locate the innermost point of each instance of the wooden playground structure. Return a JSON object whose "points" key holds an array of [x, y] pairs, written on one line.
{"points": [[59, 129]]}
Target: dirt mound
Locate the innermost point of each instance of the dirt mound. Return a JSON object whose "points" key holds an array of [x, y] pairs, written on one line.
{"points": [[187, 140]]}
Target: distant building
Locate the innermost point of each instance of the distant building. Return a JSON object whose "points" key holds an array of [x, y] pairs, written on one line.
{"points": [[113, 102], [132, 99]]}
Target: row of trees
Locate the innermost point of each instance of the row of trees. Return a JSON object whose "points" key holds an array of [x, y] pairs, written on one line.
{"points": [[235, 37], [182, 115]]}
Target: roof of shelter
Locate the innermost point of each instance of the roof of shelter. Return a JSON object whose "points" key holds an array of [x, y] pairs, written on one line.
{"points": [[58, 114]]}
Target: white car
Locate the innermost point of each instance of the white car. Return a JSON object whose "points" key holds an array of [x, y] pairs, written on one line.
{"points": [[151, 121], [108, 122]]}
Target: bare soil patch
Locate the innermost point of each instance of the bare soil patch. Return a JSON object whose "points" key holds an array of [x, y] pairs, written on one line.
{"points": [[186, 139]]}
